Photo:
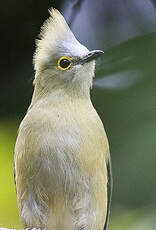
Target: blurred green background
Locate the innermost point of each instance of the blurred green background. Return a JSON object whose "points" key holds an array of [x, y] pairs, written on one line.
{"points": [[124, 94]]}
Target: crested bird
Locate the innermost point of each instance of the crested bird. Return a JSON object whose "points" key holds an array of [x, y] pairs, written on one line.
{"points": [[62, 159]]}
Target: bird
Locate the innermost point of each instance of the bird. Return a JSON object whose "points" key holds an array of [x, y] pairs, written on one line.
{"points": [[62, 158]]}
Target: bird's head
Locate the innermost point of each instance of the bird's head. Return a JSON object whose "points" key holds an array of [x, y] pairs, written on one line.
{"points": [[60, 61]]}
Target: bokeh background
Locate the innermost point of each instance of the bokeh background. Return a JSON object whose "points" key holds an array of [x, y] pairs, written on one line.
{"points": [[124, 94]]}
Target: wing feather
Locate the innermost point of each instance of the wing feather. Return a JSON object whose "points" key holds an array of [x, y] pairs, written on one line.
{"points": [[109, 192]]}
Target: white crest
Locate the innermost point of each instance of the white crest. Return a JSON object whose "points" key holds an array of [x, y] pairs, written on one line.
{"points": [[56, 39]]}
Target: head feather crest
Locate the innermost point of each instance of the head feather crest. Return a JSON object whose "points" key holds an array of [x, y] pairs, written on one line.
{"points": [[55, 40], [53, 24], [53, 32]]}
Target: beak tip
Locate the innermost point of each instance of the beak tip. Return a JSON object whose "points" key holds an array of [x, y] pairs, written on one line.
{"points": [[93, 55], [99, 52], [96, 53]]}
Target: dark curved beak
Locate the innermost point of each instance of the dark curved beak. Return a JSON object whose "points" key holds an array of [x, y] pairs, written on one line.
{"points": [[92, 55]]}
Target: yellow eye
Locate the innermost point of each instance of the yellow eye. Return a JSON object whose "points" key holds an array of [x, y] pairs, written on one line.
{"points": [[64, 63]]}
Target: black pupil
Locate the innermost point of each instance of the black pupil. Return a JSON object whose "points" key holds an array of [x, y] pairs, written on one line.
{"points": [[64, 63]]}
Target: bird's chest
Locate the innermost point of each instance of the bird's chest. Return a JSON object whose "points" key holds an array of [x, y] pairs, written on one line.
{"points": [[60, 147], [59, 153], [75, 136], [81, 137]]}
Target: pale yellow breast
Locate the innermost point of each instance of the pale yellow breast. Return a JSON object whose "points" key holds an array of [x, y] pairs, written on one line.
{"points": [[76, 129]]}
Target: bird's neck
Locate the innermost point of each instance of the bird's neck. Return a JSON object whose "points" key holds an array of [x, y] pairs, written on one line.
{"points": [[55, 95]]}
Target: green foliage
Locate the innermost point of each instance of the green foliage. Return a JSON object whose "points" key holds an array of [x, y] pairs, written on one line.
{"points": [[8, 202]]}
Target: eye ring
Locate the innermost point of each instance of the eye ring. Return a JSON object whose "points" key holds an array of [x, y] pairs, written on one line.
{"points": [[64, 63]]}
